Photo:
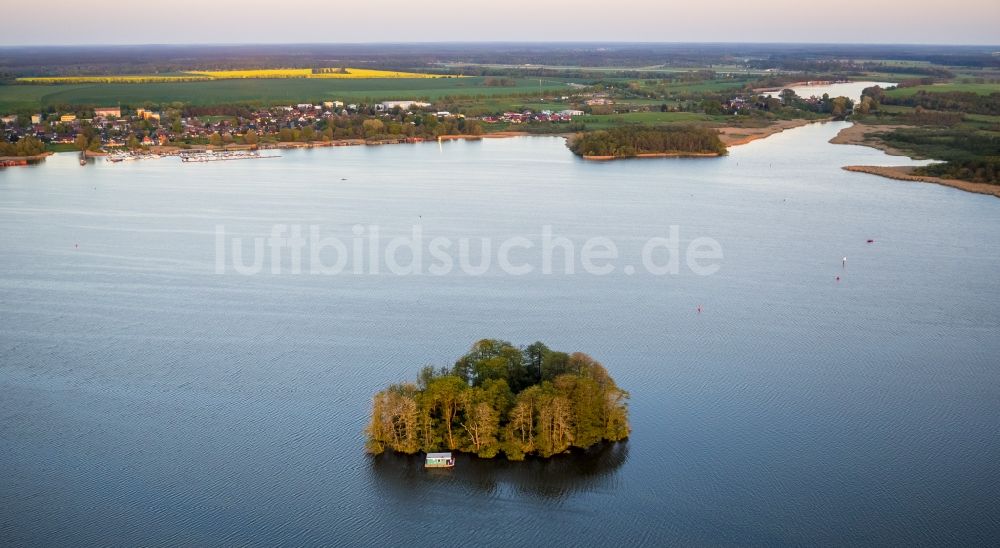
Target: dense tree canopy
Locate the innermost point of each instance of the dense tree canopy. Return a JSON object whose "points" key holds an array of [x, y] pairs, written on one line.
{"points": [[26, 146], [501, 398], [627, 141], [956, 101]]}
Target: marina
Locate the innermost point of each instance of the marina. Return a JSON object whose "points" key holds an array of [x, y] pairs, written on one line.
{"points": [[225, 155], [188, 156]]}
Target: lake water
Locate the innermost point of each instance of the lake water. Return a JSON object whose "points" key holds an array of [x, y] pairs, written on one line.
{"points": [[851, 90], [147, 400]]}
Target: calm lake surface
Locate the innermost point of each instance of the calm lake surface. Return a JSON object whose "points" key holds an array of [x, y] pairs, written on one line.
{"points": [[851, 90], [147, 400]]}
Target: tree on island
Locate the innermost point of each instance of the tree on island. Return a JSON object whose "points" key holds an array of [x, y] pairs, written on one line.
{"points": [[501, 398], [628, 141]]}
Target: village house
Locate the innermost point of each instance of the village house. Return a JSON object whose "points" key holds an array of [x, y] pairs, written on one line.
{"points": [[147, 114], [67, 118], [108, 112]]}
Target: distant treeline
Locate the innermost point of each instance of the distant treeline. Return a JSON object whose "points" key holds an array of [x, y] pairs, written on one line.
{"points": [[76, 60], [842, 67], [630, 141], [501, 398], [958, 101]]}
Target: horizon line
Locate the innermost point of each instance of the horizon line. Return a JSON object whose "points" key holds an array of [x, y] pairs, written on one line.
{"points": [[499, 42]]}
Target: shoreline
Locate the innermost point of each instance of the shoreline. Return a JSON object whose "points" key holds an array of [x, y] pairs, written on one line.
{"points": [[737, 136], [730, 137], [16, 161], [654, 155], [905, 173], [800, 84], [864, 135], [495, 135]]}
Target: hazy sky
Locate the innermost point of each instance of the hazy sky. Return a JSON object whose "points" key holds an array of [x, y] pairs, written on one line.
{"points": [[52, 22]]}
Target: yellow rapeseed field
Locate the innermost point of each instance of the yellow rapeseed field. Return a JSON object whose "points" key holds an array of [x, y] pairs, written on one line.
{"points": [[308, 73], [202, 75], [255, 73]]}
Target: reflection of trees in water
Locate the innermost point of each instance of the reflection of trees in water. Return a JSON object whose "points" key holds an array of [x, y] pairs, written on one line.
{"points": [[554, 478]]}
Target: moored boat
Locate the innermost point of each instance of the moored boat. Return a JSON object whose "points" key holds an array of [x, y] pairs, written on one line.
{"points": [[439, 460]]}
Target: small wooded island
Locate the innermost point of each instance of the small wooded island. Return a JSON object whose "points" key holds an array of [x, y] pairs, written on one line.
{"points": [[647, 141], [501, 398]]}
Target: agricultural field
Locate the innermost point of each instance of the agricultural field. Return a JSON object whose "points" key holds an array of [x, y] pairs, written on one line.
{"points": [[983, 89], [603, 121], [706, 86], [197, 75], [310, 73], [262, 91], [116, 79]]}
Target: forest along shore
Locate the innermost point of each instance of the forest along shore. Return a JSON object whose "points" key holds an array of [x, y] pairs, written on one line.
{"points": [[868, 135], [655, 155], [12, 161], [905, 173]]}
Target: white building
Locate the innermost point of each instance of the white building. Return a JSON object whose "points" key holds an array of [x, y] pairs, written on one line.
{"points": [[405, 105]]}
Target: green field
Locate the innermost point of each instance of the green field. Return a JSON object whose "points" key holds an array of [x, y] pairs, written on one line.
{"points": [[984, 89], [274, 91], [708, 86], [601, 121]]}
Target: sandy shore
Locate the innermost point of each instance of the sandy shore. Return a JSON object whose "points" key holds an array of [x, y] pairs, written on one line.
{"points": [[655, 155], [736, 136], [905, 173], [867, 135], [495, 135]]}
